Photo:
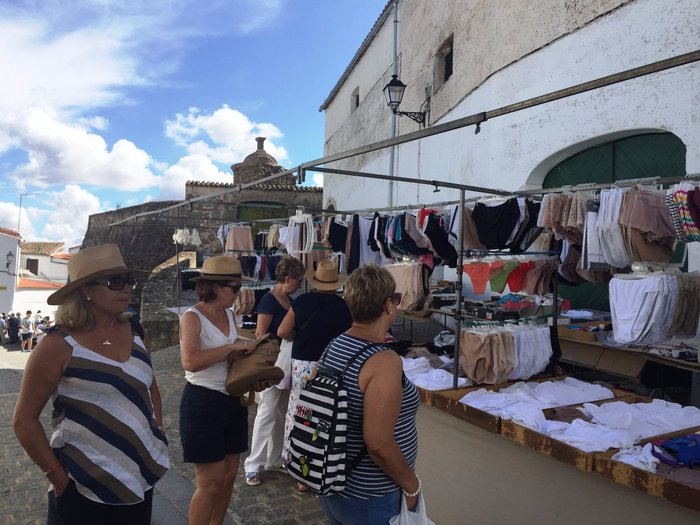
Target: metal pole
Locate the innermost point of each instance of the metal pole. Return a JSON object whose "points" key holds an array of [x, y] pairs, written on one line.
{"points": [[394, 116], [178, 279], [458, 288]]}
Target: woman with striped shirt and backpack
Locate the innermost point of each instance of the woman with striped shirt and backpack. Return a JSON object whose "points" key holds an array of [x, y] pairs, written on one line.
{"points": [[382, 406]]}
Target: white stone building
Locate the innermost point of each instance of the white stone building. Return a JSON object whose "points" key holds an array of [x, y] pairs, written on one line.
{"points": [[9, 263], [463, 57]]}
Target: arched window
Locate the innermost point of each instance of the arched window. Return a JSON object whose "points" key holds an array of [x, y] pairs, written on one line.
{"points": [[635, 157]]}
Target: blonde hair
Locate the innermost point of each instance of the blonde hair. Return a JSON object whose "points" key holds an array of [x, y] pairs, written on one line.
{"points": [[289, 267], [74, 313], [366, 291]]}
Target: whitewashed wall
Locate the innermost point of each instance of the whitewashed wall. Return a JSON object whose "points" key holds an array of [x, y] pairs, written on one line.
{"points": [[50, 269], [7, 275], [517, 150], [33, 300]]}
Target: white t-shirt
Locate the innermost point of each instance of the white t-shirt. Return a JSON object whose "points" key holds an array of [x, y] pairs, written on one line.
{"points": [[26, 326]]}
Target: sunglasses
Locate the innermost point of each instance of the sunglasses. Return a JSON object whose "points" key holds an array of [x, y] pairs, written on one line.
{"points": [[117, 283], [396, 297], [235, 287]]}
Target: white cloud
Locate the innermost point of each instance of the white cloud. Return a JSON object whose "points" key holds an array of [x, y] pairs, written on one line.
{"points": [[80, 69], [225, 136], [60, 153], [69, 211], [317, 180], [259, 14], [191, 167], [9, 214]]}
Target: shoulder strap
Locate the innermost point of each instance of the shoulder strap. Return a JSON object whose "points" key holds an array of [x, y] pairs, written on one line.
{"points": [[350, 465]]}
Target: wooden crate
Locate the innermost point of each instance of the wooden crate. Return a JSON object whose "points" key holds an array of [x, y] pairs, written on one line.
{"points": [[649, 482], [558, 449]]}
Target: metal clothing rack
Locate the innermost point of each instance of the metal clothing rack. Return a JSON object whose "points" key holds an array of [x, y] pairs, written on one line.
{"points": [[471, 120]]}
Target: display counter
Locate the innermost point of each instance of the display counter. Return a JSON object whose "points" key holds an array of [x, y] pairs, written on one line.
{"points": [[474, 472], [626, 361]]}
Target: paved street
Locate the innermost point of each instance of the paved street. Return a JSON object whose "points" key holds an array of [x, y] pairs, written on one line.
{"points": [[23, 492]]}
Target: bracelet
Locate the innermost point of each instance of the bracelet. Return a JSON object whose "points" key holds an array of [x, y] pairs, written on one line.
{"points": [[53, 468], [412, 494]]}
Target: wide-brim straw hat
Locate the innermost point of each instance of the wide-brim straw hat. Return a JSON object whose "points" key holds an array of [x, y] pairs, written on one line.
{"points": [[221, 268], [89, 264], [326, 276]]}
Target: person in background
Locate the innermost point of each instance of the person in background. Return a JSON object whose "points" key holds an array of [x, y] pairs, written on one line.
{"points": [[38, 317], [268, 428], [382, 407], [312, 322], [13, 323], [213, 424], [108, 448], [26, 330], [3, 327]]}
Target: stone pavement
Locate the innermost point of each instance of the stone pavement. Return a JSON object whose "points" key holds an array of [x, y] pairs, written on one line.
{"points": [[23, 487]]}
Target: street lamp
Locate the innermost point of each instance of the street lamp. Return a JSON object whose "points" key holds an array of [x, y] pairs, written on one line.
{"points": [[393, 92], [10, 257]]}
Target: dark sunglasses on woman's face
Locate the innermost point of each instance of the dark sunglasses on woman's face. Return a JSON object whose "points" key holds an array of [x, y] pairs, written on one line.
{"points": [[235, 287], [117, 283]]}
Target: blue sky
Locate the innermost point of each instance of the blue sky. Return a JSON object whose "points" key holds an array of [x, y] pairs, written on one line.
{"points": [[116, 102]]}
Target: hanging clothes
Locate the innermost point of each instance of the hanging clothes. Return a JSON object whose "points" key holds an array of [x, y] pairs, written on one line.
{"points": [[239, 238]]}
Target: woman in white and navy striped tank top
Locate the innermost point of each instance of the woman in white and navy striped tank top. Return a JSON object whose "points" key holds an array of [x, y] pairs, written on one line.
{"points": [[381, 410], [108, 449]]}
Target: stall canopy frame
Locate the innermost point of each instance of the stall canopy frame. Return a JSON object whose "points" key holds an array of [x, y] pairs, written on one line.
{"points": [[476, 119]]}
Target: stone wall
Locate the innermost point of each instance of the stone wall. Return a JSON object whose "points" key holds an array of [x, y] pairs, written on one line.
{"points": [[160, 293], [145, 242]]}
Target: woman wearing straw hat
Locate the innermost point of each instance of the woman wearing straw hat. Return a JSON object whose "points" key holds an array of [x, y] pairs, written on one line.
{"points": [[108, 449], [213, 424], [313, 321]]}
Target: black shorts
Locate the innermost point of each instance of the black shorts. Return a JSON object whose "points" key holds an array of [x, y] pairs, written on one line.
{"points": [[212, 425], [26, 337], [73, 507]]}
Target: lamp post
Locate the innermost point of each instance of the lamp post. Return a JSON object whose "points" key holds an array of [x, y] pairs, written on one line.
{"points": [[10, 258]]}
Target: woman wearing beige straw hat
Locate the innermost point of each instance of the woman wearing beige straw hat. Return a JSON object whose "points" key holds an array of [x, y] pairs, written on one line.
{"points": [[108, 449], [213, 424], [313, 321]]}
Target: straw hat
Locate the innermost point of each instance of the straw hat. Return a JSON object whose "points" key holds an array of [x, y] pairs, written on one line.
{"points": [[221, 268], [90, 264], [326, 276]]}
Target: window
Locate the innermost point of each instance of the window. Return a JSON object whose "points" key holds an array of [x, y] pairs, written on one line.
{"points": [[355, 99], [33, 266], [443, 64]]}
